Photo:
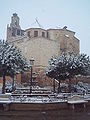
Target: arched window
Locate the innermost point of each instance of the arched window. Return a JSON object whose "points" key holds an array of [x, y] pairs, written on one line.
{"points": [[43, 34], [18, 32], [28, 34], [35, 33]]}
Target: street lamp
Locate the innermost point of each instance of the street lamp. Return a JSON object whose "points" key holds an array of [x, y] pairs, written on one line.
{"points": [[31, 64]]}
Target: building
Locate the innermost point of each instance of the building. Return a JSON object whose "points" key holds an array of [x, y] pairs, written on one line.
{"points": [[41, 44]]}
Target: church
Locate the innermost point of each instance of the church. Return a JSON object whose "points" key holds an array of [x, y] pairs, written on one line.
{"points": [[41, 44]]}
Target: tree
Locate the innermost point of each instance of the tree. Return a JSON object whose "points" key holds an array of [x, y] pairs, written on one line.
{"points": [[11, 61], [66, 66]]}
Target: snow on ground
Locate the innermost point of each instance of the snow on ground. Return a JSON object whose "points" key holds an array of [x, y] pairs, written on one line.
{"points": [[36, 99]]}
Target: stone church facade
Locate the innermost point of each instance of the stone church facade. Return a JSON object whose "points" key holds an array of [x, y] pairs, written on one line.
{"points": [[41, 44]]}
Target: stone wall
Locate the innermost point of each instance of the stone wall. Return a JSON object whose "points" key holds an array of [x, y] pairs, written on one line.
{"points": [[40, 49], [38, 106]]}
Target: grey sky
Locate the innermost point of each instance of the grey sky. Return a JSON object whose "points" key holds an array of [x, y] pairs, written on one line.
{"points": [[75, 14]]}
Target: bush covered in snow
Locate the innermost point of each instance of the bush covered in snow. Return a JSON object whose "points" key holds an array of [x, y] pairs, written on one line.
{"points": [[11, 61], [66, 66]]}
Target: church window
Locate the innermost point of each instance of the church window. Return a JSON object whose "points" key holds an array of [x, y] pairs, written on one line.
{"points": [[18, 32], [16, 23], [13, 32], [28, 34], [22, 32], [35, 33], [43, 34]]}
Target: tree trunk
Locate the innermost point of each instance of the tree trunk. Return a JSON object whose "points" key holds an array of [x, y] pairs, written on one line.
{"points": [[4, 81], [54, 85], [13, 83], [59, 89], [70, 85]]}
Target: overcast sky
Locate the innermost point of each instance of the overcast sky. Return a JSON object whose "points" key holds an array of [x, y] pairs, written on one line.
{"points": [[75, 14]]}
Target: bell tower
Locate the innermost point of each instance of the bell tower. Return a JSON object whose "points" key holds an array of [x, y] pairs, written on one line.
{"points": [[14, 30], [15, 21]]}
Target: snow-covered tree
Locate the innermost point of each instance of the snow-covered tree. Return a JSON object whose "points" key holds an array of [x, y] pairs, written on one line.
{"points": [[66, 66], [11, 61]]}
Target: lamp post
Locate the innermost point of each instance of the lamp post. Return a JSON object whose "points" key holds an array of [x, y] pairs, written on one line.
{"points": [[31, 64]]}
